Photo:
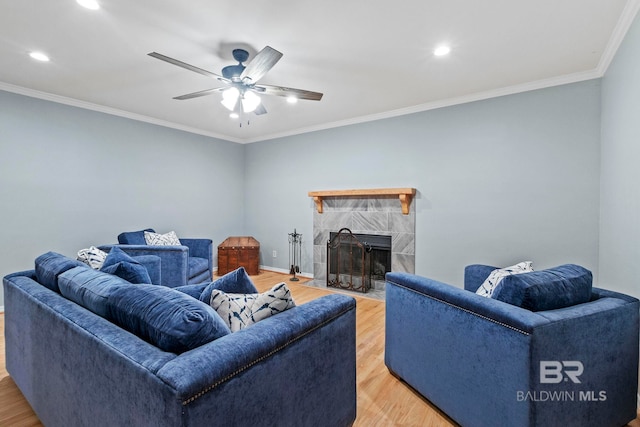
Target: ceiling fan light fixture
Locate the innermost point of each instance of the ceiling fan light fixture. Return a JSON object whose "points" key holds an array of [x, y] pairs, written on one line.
{"points": [[442, 50], [89, 4], [230, 98], [250, 101], [39, 56], [234, 115], [241, 95]]}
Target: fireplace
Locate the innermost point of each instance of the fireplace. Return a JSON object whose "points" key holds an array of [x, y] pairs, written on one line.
{"points": [[373, 214], [354, 260]]}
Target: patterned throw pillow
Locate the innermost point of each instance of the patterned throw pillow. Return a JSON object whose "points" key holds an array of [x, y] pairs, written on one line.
{"points": [[155, 239], [489, 286], [92, 256], [242, 310]]}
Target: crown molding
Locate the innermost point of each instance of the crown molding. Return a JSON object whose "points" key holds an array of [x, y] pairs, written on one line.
{"points": [[32, 93], [479, 96], [617, 36]]}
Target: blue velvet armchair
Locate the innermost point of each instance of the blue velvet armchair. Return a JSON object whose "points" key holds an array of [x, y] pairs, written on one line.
{"points": [[486, 362], [189, 263]]}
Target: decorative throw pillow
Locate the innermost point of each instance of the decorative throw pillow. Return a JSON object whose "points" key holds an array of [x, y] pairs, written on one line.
{"points": [[133, 237], [549, 289], [168, 319], [90, 288], [491, 283], [92, 256], [242, 310], [155, 239], [234, 282], [122, 265]]}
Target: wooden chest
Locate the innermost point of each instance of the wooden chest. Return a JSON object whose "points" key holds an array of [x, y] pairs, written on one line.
{"points": [[237, 252]]}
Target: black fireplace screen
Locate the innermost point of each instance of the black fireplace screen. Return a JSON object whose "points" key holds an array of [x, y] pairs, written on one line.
{"points": [[353, 260]]}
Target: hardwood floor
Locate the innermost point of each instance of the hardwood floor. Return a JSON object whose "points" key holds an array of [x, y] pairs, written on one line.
{"points": [[383, 400]]}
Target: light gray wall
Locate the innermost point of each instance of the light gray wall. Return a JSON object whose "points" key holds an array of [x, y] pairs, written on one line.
{"points": [[620, 181], [500, 181], [71, 178]]}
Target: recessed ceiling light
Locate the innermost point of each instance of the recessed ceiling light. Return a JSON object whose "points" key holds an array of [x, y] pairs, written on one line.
{"points": [[39, 56], [442, 50], [89, 4], [292, 99]]}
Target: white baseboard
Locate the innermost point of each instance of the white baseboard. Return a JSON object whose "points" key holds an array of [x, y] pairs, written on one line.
{"points": [[1, 308], [283, 271]]}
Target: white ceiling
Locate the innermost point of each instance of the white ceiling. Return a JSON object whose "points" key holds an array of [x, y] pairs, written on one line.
{"points": [[370, 59]]}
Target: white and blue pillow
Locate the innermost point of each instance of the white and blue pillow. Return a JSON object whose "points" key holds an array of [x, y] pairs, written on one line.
{"points": [[167, 239], [491, 283], [92, 256], [240, 311]]}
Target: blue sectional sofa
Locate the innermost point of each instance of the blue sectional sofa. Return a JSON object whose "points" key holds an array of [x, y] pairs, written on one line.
{"points": [[87, 348], [487, 362]]}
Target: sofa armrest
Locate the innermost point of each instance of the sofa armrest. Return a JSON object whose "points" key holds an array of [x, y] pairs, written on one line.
{"points": [[153, 264], [475, 275], [201, 248], [496, 311], [307, 351], [174, 261]]}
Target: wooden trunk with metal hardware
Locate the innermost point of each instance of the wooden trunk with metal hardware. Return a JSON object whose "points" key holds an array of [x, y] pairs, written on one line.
{"points": [[237, 252]]}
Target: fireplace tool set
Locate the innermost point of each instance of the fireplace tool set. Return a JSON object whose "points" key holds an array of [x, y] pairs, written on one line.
{"points": [[295, 253]]}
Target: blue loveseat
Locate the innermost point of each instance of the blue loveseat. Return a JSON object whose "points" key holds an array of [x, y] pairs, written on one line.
{"points": [[88, 348], [487, 362]]}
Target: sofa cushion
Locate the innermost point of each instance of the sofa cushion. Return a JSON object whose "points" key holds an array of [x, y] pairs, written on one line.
{"points": [[133, 237], [155, 239], [242, 310], [489, 286], [235, 282], [50, 265], [90, 288], [550, 289], [168, 319], [197, 266], [122, 265]]}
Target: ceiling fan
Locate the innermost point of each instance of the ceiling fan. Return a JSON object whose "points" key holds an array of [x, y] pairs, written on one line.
{"points": [[240, 92]]}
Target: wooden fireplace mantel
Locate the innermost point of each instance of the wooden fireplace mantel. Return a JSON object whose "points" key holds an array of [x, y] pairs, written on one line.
{"points": [[404, 194]]}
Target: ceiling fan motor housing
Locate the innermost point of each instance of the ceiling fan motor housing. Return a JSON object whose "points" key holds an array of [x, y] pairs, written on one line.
{"points": [[240, 55], [231, 71]]}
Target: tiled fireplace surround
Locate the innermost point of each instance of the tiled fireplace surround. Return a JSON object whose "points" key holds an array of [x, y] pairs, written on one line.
{"points": [[381, 215]]}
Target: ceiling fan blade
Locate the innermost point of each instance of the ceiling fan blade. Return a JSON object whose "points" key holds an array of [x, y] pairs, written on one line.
{"points": [[200, 93], [260, 110], [289, 91], [187, 66], [260, 64]]}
